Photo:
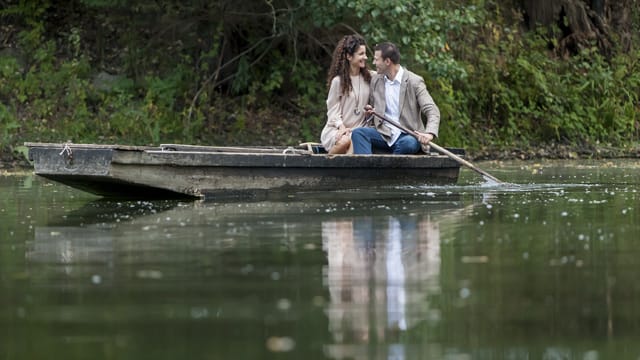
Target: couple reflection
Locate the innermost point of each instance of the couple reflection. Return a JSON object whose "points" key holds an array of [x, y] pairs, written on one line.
{"points": [[380, 273]]}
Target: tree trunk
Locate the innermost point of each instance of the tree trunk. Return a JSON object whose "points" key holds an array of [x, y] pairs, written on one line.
{"points": [[583, 22], [621, 20]]}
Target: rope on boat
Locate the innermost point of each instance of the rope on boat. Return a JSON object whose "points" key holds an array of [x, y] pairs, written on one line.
{"points": [[292, 150], [67, 150]]}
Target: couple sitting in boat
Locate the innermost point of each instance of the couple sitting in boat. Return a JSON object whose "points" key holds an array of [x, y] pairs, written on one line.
{"points": [[356, 94]]}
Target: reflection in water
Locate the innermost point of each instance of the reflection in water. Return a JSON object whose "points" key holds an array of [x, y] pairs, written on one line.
{"points": [[212, 257], [542, 271], [88, 234], [66, 246], [380, 274]]}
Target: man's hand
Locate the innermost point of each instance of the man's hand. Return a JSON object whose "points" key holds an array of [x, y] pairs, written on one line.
{"points": [[424, 138], [369, 110]]}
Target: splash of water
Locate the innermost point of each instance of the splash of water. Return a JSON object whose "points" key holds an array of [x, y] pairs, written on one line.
{"points": [[493, 182]]}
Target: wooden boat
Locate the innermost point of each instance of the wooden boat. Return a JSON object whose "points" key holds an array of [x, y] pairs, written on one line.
{"points": [[210, 172]]}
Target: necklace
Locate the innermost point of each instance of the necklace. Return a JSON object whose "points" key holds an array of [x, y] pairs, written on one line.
{"points": [[356, 111]]}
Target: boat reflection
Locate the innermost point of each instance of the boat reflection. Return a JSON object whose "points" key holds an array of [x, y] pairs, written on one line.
{"points": [[86, 235], [381, 275], [383, 269]]}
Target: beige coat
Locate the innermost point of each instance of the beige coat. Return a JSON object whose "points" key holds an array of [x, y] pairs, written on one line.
{"points": [[415, 101], [340, 109]]}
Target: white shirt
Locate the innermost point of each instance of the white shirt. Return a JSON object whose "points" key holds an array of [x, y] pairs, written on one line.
{"points": [[396, 292], [392, 99]]}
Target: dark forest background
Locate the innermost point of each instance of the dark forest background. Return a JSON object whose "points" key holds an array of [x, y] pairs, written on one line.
{"points": [[524, 78]]}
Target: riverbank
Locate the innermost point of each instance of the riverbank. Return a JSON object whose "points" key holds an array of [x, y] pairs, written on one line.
{"points": [[555, 151], [12, 161]]}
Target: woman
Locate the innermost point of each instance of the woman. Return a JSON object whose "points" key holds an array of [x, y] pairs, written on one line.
{"points": [[348, 81]]}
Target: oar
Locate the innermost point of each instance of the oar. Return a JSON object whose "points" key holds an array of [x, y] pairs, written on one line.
{"points": [[442, 150]]}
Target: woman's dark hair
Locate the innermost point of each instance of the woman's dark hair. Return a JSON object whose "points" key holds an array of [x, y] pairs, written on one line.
{"points": [[348, 45], [389, 51]]}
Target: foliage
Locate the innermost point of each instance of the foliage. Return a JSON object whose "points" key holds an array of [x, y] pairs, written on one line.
{"points": [[520, 95], [420, 28], [224, 72]]}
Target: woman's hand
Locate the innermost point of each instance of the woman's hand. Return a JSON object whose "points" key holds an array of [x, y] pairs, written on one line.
{"points": [[342, 131], [343, 141]]}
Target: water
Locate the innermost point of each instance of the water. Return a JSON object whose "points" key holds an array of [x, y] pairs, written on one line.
{"points": [[544, 270]]}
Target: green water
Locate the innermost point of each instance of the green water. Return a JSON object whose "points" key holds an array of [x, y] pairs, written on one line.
{"points": [[544, 270]]}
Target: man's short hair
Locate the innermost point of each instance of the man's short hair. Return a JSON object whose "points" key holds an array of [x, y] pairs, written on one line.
{"points": [[389, 51]]}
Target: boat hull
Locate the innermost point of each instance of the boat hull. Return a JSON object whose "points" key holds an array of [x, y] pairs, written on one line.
{"points": [[214, 172]]}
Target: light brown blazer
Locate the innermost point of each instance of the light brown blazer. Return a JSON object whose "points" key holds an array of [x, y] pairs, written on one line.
{"points": [[415, 101]]}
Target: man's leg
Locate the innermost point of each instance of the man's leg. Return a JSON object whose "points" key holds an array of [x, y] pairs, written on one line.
{"points": [[406, 144], [364, 139]]}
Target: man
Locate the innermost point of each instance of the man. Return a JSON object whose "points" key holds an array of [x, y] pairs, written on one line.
{"points": [[404, 97]]}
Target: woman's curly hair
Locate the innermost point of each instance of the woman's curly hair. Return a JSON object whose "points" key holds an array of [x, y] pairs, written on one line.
{"points": [[348, 45]]}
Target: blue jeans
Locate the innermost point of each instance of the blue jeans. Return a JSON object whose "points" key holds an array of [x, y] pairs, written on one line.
{"points": [[367, 140]]}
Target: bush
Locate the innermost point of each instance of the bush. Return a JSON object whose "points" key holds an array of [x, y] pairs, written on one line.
{"points": [[259, 77]]}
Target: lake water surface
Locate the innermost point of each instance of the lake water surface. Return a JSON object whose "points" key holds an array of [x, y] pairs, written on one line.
{"points": [[544, 270]]}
